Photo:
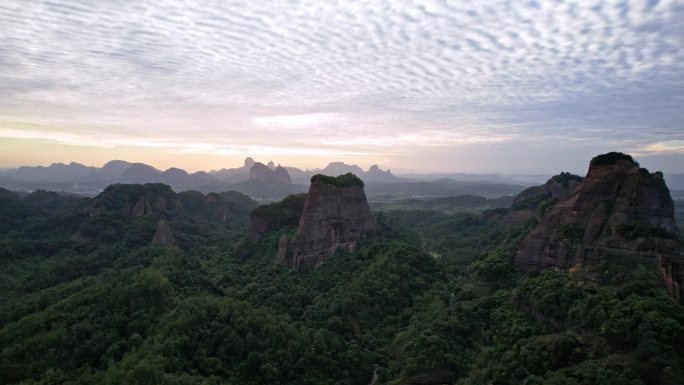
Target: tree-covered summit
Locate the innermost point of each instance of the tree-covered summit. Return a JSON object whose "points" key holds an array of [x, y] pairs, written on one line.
{"points": [[345, 180], [611, 158]]}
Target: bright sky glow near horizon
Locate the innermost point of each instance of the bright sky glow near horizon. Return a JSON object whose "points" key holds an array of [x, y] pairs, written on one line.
{"points": [[481, 86]]}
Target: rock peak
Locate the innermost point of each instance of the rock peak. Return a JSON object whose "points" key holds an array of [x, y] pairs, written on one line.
{"points": [[335, 216], [617, 209]]}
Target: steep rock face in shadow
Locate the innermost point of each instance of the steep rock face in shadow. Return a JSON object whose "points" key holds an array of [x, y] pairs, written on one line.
{"points": [[619, 208], [335, 216]]}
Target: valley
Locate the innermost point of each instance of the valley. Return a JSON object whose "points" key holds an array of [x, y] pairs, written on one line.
{"points": [[145, 285]]}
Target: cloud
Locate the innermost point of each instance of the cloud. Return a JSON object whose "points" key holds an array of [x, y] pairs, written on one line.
{"points": [[666, 147], [296, 121], [182, 145], [348, 74]]}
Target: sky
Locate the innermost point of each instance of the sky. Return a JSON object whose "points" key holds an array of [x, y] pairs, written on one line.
{"points": [[427, 86]]}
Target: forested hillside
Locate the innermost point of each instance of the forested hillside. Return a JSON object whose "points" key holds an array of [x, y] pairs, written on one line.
{"points": [[428, 298]]}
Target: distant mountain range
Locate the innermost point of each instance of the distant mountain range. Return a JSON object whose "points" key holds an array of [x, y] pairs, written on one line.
{"points": [[269, 181], [257, 179], [299, 176]]}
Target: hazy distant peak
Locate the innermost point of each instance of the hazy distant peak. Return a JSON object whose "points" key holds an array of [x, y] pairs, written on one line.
{"points": [[176, 171], [339, 168], [116, 162], [143, 166], [376, 170], [71, 164], [262, 172], [139, 173], [113, 169]]}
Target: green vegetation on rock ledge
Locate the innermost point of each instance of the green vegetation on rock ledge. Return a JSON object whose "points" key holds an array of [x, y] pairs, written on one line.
{"points": [[345, 180]]}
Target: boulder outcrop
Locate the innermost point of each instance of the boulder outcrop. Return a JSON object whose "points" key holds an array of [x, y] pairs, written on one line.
{"points": [[618, 209], [335, 216]]}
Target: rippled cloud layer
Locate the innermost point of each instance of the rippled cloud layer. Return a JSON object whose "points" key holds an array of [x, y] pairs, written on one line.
{"points": [[368, 78]]}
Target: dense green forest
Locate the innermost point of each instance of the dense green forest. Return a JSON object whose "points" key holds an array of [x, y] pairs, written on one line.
{"points": [[431, 298]]}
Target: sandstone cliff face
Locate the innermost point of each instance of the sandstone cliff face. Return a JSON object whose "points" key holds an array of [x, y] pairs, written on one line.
{"points": [[618, 208], [163, 235], [335, 216]]}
